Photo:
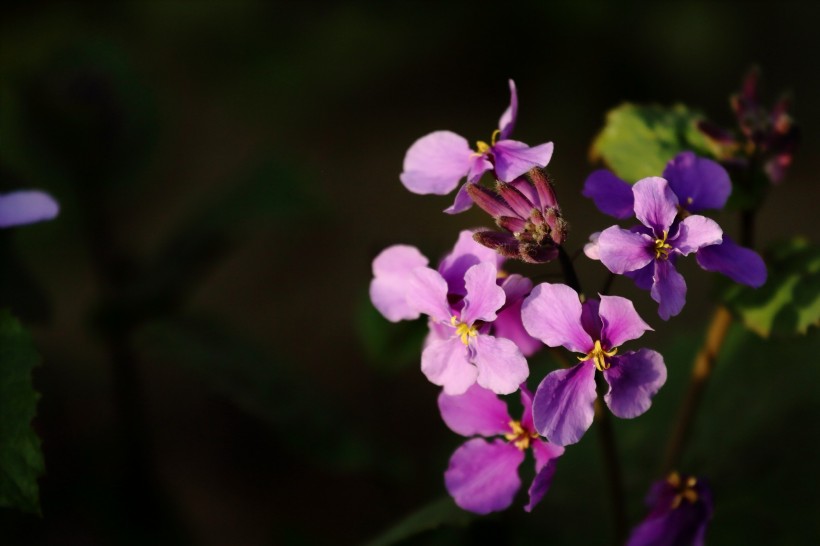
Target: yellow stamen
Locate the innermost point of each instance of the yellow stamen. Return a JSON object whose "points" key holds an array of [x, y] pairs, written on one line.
{"points": [[482, 147], [662, 248], [598, 355], [519, 436], [685, 490], [464, 330], [494, 136]]}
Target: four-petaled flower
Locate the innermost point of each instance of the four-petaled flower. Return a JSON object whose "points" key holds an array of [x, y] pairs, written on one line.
{"points": [[436, 162], [563, 406], [26, 207], [648, 252], [680, 507], [482, 476]]}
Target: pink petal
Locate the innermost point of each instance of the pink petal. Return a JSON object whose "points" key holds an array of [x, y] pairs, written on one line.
{"points": [[621, 250], [484, 296], [465, 254], [483, 477], [501, 366], [435, 163], [446, 364], [695, 232], [563, 404], [552, 313], [427, 293], [507, 122], [476, 412], [388, 289], [655, 203], [513, 158], [634, 378], [620, 321]]}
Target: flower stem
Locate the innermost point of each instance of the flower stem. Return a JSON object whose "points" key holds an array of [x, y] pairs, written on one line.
{"points": [[702, 369]]}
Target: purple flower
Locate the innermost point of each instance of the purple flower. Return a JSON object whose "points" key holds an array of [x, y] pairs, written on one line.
{"points": [[482, 476], [26, 207], [698, 184], [680, 508], [563, 406], [462, 352], [648, 252], [436, 163], [528, 210]]}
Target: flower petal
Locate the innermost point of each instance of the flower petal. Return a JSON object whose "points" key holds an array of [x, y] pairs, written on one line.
{"points": [[479, 164], [740, 264], [488, 201], [508, 323], [590, 318], [501, 366], [507, 122], [483, 477], [655, 203], [392, 269], [621, 250], [513, 158], [695, 232], [427, 293], [465, 254], [435, 163], [698, 183], [526, 403], [668, 289], [591, 248], [634, 379], [446, 364], [520, 203], [620, 321], [643, 277], [563, 404], [546, 457], [552, 313], [476, 412], [484, 296], [611, 195], [462, 201], [26, 207]]}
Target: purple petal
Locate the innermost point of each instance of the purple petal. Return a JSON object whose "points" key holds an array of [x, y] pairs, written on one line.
{"points": [[668, 289], [620, 321], [633, 379], [479, 164], [543, 189], [643, 277], [435, 163], [446, 364], [517, 201], [26, 207], [526, 402], [508, 325], [528, 190], [621, 250], [488, 201], [695, 232], [484, 296], [563, 405], [516, 287], [465, 254], [427, 293], [698, 183], [392, 269], [552, 313], [483, 477], [476, 412], [655, 204], [591, 248], [513, 158], [590, 318], [462, 201], [546, 457], [507, 122], [501, 366], [611, 195], [740, 264]]}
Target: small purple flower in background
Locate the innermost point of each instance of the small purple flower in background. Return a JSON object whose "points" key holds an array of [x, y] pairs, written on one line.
{"points": [[699, 184], [680, 507], [648, 252], [26, 207], [563, 406], [528, 210], [482, 476], [436, 163]]}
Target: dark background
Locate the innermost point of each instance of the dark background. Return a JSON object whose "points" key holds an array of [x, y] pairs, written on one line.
{"points": [[212, 370]]}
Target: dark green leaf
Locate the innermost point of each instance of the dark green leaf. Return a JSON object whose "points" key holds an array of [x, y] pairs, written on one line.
{"points": [[638, 141], [440, 513], [789, 302], [21, 460]]}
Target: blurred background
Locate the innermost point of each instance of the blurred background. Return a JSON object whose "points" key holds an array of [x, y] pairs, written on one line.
{"points": [[213, 372]]}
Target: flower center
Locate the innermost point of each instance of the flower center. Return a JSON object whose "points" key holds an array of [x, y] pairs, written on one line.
{"points": [[464, 330], [662, 248], [520, 436], [685, 489], [482, 147], [598, 355]]}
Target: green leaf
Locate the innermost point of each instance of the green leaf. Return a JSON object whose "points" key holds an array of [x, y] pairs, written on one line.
{"points": [[789, 302], [440, 513], [637, 141], [21, 460]]}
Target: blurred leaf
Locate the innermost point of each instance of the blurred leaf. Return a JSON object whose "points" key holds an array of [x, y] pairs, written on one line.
{"points": [[440, 513], [789, 302], [21, 460], [389, 346], [638, 141]]}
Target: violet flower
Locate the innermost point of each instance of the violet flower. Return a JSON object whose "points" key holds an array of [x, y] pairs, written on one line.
{"points": [[648, 252], [26, 207], [699, 184], [563, 406], [436, 162], [680, 508], [482, 476], [528, 210]]}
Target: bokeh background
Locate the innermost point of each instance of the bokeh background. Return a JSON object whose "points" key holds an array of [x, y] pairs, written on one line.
{"points": [[212, 370]]}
